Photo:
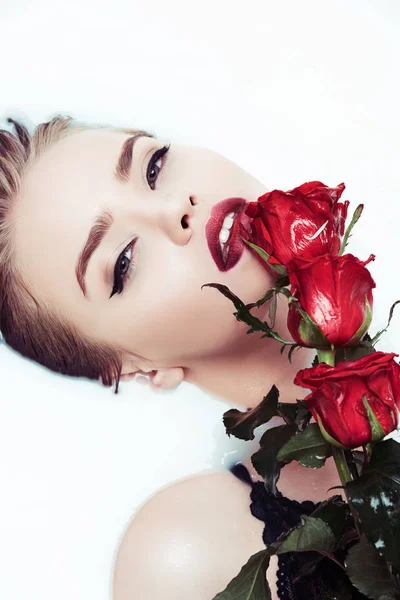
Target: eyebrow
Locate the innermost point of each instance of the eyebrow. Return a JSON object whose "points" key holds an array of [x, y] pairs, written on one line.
{"points": [[124, 164], [97, 232], [105, 219]]}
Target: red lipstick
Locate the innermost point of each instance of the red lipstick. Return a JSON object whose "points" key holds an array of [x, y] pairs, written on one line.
{"points": [[234, 246]]}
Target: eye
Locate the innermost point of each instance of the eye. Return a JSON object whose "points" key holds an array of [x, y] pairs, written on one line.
{"points": [[124, 265], [153, 168], [123, 268]]}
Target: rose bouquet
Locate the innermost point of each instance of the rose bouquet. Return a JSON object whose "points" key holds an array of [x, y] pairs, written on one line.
{"points": [[300, 237]]}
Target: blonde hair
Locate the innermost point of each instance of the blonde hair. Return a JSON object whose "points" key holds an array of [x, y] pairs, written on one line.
{"points": [[27, 326]]}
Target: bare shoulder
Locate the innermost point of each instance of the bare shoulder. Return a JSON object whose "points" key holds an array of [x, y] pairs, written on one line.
{"points": [[192, 537]]}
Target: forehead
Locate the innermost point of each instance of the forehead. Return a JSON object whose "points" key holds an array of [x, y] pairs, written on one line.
{"points": [[72, 162], [61, 194]]}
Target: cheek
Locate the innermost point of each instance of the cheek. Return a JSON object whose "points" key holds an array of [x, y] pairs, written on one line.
{"points": [[172, 309], [186, 323], [223, 177], [182, 322]]}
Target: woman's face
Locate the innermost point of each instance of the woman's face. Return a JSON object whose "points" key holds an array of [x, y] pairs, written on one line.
{"points": [[162, 313]]}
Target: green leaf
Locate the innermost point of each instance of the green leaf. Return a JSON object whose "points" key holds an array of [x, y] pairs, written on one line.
{"points": [[280, 269], [356, 215], [364, 348], [375, 498], [377, 432], [251, 583], [368, 572], [267, 296], [355, 461], [378, 335], [335, 512], [243, 314], [315, 362], [355, 457], [303, 416], [278, 287], [292, 349], [288, 411], [364, 325], [310, 332], [311, 534], [242, 424], [326, 435], [295, 413], [308, 447], [281, 282], [308, 567], [272, 309], [355, 352], [264, 460]]}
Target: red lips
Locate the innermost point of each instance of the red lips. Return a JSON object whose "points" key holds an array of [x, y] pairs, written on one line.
{"points": [[213, 229]]}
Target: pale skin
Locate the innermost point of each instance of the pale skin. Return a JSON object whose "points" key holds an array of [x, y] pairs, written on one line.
{"points": [[193, 536]]}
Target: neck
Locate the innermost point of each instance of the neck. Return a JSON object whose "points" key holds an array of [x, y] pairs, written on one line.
{"points": [[245, 374]]}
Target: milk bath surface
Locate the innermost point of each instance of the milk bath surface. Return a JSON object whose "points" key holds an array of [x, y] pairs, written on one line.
{"points": [[78, 462]]}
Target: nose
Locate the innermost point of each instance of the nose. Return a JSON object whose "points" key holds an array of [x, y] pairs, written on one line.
{"points": [[174, 217]]}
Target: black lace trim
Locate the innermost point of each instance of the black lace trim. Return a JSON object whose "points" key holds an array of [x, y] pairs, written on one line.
{"points": [[279, 515]]}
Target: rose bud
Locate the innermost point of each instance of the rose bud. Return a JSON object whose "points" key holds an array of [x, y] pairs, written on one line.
{"points": [[341, 395], [335, 292], [304, 222]]}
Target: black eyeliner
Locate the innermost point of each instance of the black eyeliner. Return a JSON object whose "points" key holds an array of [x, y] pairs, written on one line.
{"points": [[118, 286], [154, 158]]}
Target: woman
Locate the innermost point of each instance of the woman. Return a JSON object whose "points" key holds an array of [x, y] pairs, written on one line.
{"points": [[106, 238]]}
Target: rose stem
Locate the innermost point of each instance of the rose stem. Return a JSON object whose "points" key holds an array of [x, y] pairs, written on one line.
{"points": [[341, 465], [328, 356]]}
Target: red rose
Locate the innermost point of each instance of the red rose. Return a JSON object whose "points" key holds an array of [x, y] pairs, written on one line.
{"points": [[336, 293], [337, 396], [304, 222]]}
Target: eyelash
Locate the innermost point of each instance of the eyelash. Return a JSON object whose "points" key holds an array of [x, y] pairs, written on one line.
{"points": [[120, 281]]}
